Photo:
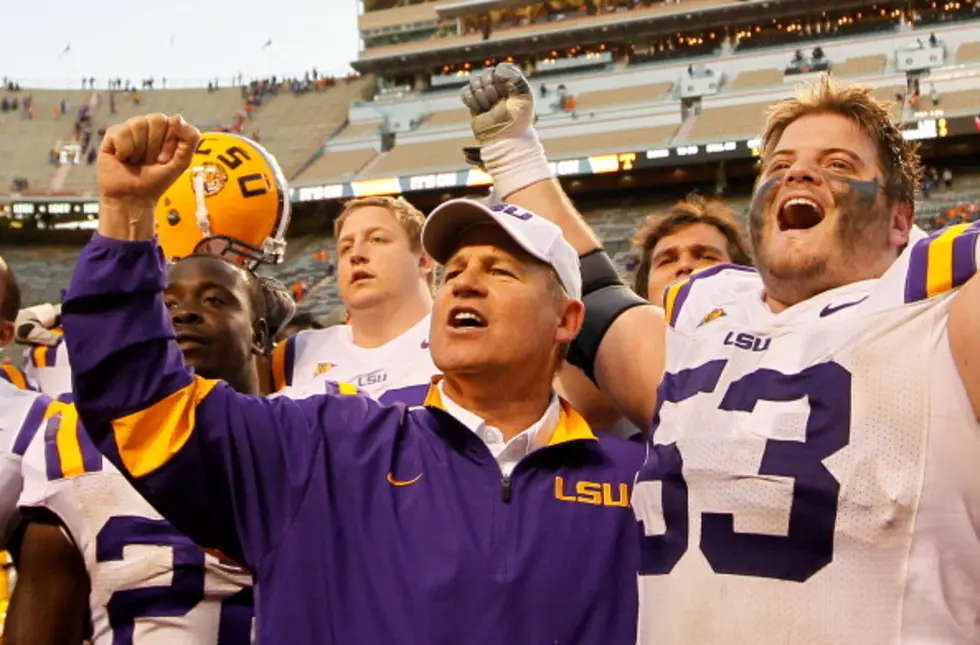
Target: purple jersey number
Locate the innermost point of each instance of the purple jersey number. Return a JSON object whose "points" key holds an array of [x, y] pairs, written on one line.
{"points": [[183, 594], [808, 546]]}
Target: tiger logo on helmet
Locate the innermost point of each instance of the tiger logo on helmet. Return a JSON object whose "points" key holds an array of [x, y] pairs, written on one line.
{"points": [[232, 201]]}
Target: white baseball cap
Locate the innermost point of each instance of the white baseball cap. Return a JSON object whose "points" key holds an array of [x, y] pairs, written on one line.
{"points": [[536, 235]]}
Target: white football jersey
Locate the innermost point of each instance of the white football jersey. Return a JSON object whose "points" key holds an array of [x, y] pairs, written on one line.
{"points": [[399, 371], [48, 367], [812, 476], [20, 412], [150, 585]]}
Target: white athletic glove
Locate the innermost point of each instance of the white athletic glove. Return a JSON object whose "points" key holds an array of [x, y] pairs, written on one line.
{"points": [[501, 103], [33, 325]]}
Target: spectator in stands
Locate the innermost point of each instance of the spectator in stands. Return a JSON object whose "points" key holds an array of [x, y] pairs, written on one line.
{"points": [[947, 178], [934, 95], [933, 41], [693, 234]]}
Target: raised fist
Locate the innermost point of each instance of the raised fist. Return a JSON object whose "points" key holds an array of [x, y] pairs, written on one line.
{"points": [[501, 103], [139, 159]]}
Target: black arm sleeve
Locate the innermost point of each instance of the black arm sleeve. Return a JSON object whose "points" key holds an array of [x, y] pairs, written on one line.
{"points": [[606, 298]]}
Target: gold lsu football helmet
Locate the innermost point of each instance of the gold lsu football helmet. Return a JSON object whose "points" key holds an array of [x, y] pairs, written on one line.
{"points": [[233, 201]]}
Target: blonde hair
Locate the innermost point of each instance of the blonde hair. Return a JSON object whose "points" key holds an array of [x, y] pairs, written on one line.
{"points": [[408, 217], [899, 158]]}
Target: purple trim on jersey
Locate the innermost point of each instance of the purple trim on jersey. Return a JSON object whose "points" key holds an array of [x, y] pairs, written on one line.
{"points": [[51, 353], [964, 256], [52, 458], [915, 280], [32, 421], [683, 292]]}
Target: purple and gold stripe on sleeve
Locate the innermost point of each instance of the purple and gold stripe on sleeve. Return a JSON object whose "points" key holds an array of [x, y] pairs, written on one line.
{"points": [[283, 360], [68, 450], [148, 439], [677, 292], [41, 356], [942, 262], [14, 376]]}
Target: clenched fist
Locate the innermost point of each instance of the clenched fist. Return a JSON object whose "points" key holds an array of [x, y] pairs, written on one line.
{"points": [[138, 160], [501, 106], [500, 101]]}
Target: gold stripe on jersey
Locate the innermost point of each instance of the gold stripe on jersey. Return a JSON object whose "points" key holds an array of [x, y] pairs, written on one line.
{"points": [[15, 376], [67, 442], [939, 274], [148, 439]]}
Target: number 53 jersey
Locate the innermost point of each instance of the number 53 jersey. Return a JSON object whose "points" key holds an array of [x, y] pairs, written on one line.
{"points": [[812, 476], [150, 585]]}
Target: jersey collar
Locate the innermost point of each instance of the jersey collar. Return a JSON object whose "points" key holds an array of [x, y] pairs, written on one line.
{"points": [[571, 425]]}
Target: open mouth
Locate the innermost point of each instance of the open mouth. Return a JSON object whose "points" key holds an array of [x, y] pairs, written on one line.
{"points": [[799, 214], [357, 276], [464, 317]]}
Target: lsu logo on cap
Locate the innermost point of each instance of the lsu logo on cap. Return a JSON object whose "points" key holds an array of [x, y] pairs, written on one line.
{"points": [[714, 314], [323, 368]]}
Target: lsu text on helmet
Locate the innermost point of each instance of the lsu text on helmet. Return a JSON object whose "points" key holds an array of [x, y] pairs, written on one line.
{"points": [[233, 201]]}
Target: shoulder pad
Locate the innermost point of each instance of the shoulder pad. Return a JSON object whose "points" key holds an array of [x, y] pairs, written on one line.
{"points": [[690, 300]]}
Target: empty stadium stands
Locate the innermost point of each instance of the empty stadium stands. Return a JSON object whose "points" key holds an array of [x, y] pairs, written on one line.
{"points": [[441, 154], [718, 124], [623, 96], [294, 126]]}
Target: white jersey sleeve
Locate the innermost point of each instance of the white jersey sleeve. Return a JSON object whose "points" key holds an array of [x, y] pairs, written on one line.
{"points": [[20, 412], [149, 584], [48, 367]]}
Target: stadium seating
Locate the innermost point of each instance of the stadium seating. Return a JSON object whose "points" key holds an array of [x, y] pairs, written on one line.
{"points": [[862, 66], [617, 141], [340, 165], [294, 126], [440, 154], [718, 124], [756, 78], [622, 96]]}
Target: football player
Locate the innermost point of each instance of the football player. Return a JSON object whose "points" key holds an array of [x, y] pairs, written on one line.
{"points": [[9, 308], [811, 474], [96, 560], [233, 201], [385, 281]]}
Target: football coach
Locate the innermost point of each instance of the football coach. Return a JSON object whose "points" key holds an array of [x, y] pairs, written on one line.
{"points": [[492, 514]]}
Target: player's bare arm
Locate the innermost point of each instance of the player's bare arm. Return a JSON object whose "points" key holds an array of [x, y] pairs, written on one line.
{"points": [[964, 340], [502, 107], [49, 605]]}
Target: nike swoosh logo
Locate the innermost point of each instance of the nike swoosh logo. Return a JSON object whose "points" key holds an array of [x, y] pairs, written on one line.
{"points": [[832, 309], [407, 482]]}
